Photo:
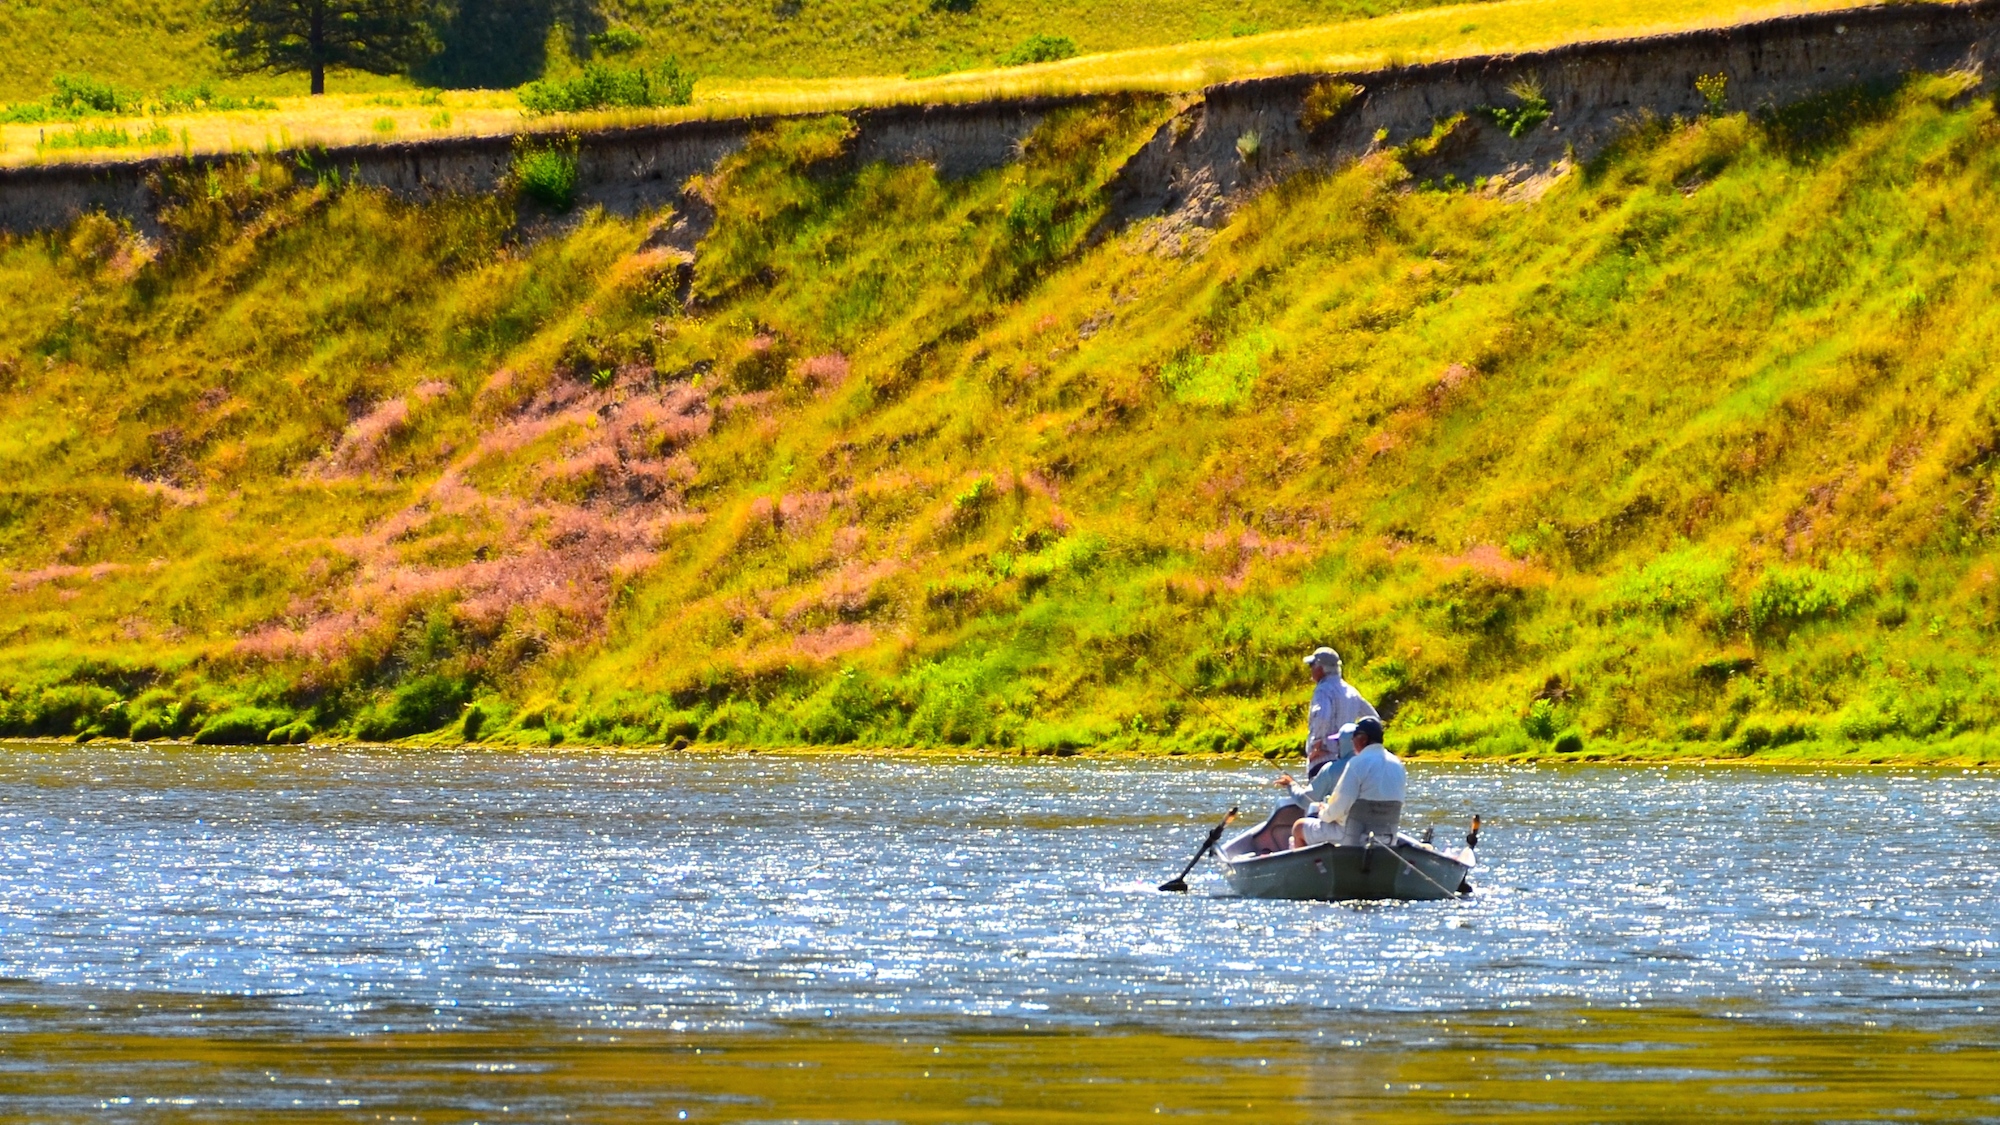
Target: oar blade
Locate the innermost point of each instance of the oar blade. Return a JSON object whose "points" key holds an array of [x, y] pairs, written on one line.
{"points": [[1178, 884]]}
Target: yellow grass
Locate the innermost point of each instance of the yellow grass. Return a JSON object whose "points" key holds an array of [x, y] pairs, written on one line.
{"points": [[1429, 35]]}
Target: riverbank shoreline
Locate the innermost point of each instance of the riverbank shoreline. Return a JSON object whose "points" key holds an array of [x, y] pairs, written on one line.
{"points": [[1963, 752]]}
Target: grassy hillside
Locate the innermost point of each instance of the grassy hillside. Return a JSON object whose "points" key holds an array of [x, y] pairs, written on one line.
{"points": [[1694, 454]]}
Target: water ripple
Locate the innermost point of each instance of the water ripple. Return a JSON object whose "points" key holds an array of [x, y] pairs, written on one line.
{"points": [[633, 889]]}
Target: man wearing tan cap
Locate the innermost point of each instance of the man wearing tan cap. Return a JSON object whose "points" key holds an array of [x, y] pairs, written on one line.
{"points": [[1335, 703]]}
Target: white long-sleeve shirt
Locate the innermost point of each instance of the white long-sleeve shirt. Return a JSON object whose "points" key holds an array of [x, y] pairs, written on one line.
{"points": [[1335, 704], [1372, 775]]}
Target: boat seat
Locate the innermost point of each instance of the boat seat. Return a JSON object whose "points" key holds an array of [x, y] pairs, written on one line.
{"points": [[1276, 833]]}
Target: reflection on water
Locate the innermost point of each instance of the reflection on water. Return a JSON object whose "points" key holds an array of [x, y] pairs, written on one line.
{"points": [[617, 936], [1649, 1065]]}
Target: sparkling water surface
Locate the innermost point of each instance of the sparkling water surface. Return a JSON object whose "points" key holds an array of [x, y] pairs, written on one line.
{"points": [[423, 888]]}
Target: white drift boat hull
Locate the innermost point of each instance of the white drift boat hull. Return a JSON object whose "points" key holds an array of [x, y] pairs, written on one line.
{"points": [[1258, 865]]}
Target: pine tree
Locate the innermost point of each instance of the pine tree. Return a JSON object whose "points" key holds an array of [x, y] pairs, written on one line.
{"points": [[378, 36]]}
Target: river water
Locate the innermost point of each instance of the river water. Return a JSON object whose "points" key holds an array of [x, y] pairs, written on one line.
{"points": [[238, 913]]}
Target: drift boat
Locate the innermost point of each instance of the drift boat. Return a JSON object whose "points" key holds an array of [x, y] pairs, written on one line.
{"points": [[1260, 864]]}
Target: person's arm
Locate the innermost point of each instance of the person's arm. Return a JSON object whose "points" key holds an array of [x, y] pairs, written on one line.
{"points": [[1328, 776], [1345, 793]]}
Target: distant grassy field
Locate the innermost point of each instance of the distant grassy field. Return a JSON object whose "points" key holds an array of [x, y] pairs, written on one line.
{"points": [[377, 109], [151, 44], [1694, 456]]}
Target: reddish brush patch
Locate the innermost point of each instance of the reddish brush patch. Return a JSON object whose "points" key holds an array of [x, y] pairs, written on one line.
{"points": [[834, 640], [1455, 376], [825, 371], [1239, 549], [538, 553], [801, 511], [755, 403], [360, 447], [854, 588], [173, 494], [1494, 563], [28, 580]]}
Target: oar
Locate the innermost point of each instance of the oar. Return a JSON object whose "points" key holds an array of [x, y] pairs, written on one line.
{"points": [[1178, 884]]}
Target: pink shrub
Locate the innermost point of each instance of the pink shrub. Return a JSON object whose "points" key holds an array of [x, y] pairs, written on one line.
{"points": [[360, 447], [832, 641], [826, 371]]}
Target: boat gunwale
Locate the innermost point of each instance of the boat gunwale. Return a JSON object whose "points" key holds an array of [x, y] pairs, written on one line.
{"points": [[1469, 863]]}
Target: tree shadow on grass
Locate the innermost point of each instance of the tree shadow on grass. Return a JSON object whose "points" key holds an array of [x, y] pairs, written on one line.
{"points": [[499, 44]]}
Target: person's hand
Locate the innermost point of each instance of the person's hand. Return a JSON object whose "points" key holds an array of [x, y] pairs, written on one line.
{"points": [[1284, 781]]}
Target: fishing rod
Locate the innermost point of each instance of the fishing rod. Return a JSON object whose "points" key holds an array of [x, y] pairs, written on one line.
{"points": [[1178, 884]]}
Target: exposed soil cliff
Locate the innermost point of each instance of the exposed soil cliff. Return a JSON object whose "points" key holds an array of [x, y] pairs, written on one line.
{"points": [[1204, 157]]}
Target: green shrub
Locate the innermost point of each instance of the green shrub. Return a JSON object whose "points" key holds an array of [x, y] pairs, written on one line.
{"points": [[547, 174], [1753, 735], [601, 86], [419, 705], [1072, 555], [1040, 49], [1674, 583], [952, 705], [843, 710], [470, 726], [1224, 378], [678, 728], [241, 726], [1791, 596], [1568, 742], [1530, 109], [65, 709], [105, 136], [617, 41], [1544, 718], [291, 734], [201, 97], [80, 93], [1325, 102]]}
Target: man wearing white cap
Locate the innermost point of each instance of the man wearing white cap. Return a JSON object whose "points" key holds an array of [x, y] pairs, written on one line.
{"points": [[1335, 703]]}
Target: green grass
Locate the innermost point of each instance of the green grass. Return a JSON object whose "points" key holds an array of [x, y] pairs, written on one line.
{"points": [[1693, 456], [506, 44]]}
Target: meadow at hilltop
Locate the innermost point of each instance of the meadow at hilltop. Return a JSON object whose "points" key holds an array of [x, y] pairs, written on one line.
{"points": [[1691, 454], [150, 45]]}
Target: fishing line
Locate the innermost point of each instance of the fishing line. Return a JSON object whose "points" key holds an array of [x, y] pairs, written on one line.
{"points": [[1183, 689]]}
